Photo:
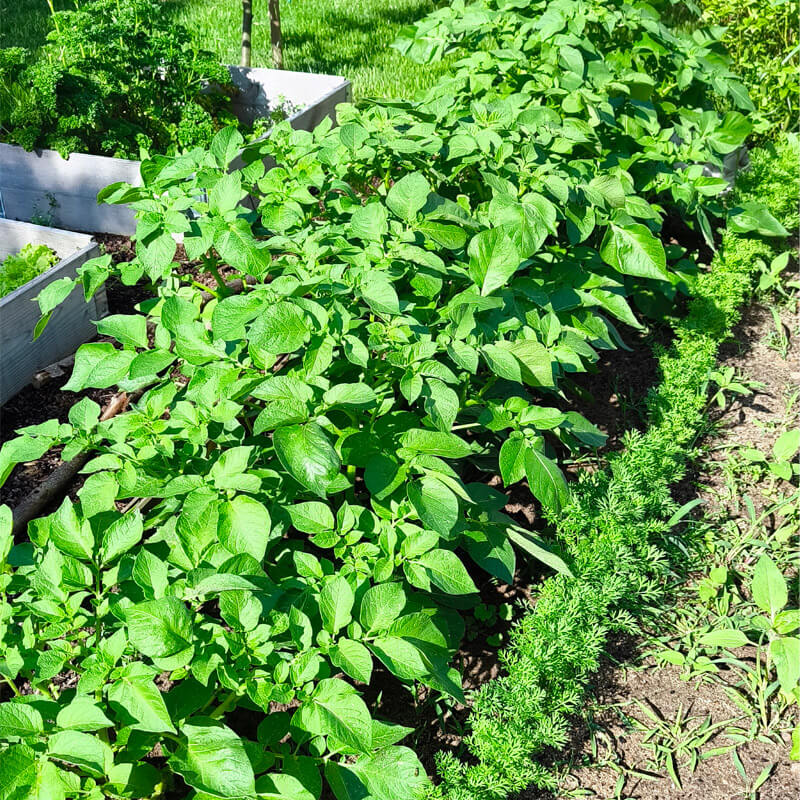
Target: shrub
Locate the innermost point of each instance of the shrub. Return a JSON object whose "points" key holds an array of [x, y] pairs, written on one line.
{"points": [[761, 37], [114, 77]]}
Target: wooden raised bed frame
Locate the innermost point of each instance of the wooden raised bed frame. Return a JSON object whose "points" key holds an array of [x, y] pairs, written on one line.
{"points": [[43, 184], [71, 324]]}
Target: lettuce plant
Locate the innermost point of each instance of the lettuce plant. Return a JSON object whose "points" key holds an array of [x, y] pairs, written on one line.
{"points": [[19, 268]]}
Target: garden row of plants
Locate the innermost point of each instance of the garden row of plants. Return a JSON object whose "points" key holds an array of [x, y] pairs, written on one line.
{"points": [[621, 531], [293, 494]]}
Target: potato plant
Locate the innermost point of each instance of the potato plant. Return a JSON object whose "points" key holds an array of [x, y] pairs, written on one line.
{"points": [[295, 494]]}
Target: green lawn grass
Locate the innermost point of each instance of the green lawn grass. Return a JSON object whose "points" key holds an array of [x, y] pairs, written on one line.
{"points": [[339, 37]]}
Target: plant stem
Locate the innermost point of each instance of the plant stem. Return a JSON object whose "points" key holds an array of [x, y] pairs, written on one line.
{"points": [[224, 706]]}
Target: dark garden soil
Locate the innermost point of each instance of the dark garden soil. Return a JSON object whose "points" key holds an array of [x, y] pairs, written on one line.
{"points": [[628, 679]]}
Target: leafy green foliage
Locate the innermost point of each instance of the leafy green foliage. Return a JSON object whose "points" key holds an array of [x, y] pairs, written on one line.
{"points": [[761, 37], [17, 269], [293, 495], [114, 77], [612, 527]]}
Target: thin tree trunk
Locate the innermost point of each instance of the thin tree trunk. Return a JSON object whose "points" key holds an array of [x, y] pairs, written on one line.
{"points": [[247, 29], [275, 33]]}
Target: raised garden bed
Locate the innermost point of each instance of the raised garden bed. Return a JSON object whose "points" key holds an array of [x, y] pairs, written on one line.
{"points": [[43, 184], [71, 323]]}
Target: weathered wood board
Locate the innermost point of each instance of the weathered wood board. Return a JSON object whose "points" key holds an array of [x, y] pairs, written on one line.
{"points": [[71, 323], [43, 185]]}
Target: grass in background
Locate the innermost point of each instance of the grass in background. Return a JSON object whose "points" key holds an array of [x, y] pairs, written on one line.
{"points": [[337, 37]]}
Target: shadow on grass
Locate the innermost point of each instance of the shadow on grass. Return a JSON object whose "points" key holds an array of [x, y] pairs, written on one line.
{"points": [[24, 23]]}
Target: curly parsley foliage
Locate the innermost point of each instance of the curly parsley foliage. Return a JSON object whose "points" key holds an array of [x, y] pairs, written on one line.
{"points": [[114, 78], [292, 500]]}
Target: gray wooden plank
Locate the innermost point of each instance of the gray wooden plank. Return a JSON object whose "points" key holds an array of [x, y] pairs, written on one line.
{"points": [[14, 235], [71, 323]]}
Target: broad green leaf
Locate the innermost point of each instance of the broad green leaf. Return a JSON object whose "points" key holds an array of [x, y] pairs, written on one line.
{"points": [[159, 628], [535, 547], [785, 653], [545, 480], [787, 445], [753, 217], [336, 709], [414, 659], [98, 494], [312, 517], [724, 637], [150, 573], [54, 294], [449, 236], [379, 294], [82, 750], [441, 404], [394, 773], [491, 549], [231, 314], [447, 571], [83, 714], [19, 719], [352, 658], [732, 133], [121, 535], [137, 702], [370, 222], [633, 250], [408, 195], [280, 328], [18, 772], [336, 603], [768, 586], [238, 247], [226, 145], [98, 365], [350, 395], [307, 455], [226, 193], [537, 362], [244, 527], [435, 443], [435, 504], [280, 786], [69, 534], [381, 605], [134, 780], [212, 759], [128, 329], [493, 259], [84, 414]]}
